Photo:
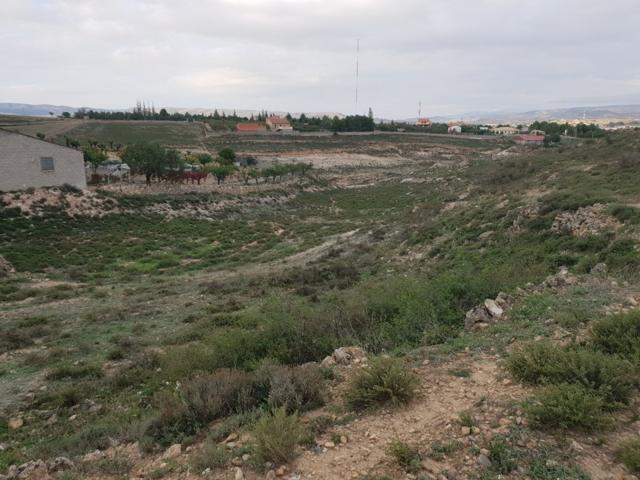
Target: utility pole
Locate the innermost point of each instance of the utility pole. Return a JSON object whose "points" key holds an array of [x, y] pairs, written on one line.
{"points": [[357, 71]]}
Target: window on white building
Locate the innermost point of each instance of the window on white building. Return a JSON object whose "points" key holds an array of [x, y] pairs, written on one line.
{"points": [[47, 164]]}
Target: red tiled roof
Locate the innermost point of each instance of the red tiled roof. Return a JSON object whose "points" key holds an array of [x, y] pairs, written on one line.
{"points": [[249, 127], [529, 138]]}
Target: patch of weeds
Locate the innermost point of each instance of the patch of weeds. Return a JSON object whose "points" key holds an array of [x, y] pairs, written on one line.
{"points": [[460, 372], [113, 466], [568, 406], [542, 363], [212, 456], [618, 334], [629, 454], [74, 372], [385, 381], [406, 456], [504, 458], [466, 419], [277, 434], [543, 469], [441, 450]]}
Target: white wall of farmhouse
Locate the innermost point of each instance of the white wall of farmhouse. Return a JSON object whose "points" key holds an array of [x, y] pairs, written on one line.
{"points": [[29, 162]]}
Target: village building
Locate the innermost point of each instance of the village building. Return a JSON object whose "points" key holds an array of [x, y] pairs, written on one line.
{"points": [[506, 130], [279, 124], [250, 128], [28, 162], [454, 127], [529, 139], [536, 132], [423, 122]]}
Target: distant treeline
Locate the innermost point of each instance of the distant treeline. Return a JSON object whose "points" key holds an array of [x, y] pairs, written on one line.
{"points": [[142, 112], [581, 130]]}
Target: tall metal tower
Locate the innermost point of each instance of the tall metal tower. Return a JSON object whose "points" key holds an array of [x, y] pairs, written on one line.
{"points": [[357, 71]]}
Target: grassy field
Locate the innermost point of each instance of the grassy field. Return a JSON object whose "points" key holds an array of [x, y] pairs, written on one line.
{"points": [[112, 310]]}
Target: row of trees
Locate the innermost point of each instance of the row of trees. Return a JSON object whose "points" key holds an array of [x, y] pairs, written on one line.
{"points": [[155, 162], [581, 130], [143, 112]]}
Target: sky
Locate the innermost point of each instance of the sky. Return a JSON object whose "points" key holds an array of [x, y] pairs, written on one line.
{"points": [[454, 56]]}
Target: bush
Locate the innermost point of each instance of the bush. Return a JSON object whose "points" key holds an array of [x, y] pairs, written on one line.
{"points": [[384, 381], [212, 455], [406, 456], [294, 388], [542, 469], [568, 406], [618, 334], [504, 458], [629, 454], [542, 363], [277, 434], [213, 395]]}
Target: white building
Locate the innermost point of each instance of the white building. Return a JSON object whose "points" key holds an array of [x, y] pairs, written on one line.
{"points": [[28, 162]]}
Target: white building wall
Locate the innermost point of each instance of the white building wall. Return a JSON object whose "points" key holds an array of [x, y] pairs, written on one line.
{"points": [[20, 166]]}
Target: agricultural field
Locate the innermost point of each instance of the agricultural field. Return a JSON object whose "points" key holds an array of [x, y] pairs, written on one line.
{"points": [[191, 332]]}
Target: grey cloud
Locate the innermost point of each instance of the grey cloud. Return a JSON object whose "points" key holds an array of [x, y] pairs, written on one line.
{"points": [[455, 56]]}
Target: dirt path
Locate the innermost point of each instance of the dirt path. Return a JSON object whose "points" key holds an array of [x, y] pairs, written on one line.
{"points": [[434, 417]]}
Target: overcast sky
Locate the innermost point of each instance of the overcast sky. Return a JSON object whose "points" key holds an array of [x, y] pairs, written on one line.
{"points": [[299, 55]]}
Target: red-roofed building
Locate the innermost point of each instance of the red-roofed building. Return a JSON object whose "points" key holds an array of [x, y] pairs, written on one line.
{"points": [[250, 128], [529, 139], [423, 122], [279, 124]]}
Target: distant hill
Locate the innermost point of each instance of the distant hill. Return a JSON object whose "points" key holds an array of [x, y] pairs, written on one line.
{"points": [[28, 110], [596, 113]]}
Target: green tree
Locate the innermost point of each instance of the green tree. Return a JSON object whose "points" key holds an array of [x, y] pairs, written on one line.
{"points": [[221, 172], [148, 159], [204, 159], [66, 115], [226, 156], [94, 157]]}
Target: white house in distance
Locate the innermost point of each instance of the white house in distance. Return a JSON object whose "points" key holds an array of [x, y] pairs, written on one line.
{"points": [[506, 130], [279, 124], [28, 162], [454, 127]]}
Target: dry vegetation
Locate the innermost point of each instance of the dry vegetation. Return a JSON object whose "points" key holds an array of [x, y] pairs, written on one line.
{"points": [[180, 332]]}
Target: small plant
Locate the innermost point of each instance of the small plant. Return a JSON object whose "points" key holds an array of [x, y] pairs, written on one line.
{"points": [[543, 363], [618, 334], [568, 406], [384, 381], [406, 456], [629, 454], [466, 419], [504, 458], [440, 450], [277, 434], [212, 455], [542, 469]]}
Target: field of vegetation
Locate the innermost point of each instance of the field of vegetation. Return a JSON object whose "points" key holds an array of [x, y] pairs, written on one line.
{"points": [[207, 331]]}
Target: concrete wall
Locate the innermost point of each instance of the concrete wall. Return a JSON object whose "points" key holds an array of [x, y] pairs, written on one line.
{"points": [[20, 166]]}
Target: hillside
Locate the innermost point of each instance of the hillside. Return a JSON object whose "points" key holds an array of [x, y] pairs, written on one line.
{"points": [[183, 332]]}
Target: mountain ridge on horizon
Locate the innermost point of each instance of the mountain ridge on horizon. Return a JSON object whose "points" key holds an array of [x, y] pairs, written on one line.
{"points": [[590, 113]]}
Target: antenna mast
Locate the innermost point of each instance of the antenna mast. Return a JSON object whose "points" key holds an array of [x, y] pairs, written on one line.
{"points": [[357, 71], [419, 109]]}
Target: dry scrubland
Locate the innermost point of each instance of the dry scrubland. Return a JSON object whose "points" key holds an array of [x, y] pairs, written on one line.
{"points": [[178, 333]]}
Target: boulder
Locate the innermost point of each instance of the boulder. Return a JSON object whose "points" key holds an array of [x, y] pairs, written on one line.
{"points": [[493, 308], [172, 452], [15, 423], [239, 474], [59, 463], [345, 356]]}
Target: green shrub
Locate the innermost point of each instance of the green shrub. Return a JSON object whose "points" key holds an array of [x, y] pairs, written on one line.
{"points": [[212, 395], [439, 450], [542, 469], [629, 454], [74, 372], [212, 455], [277, 434], [504, 458], [618, 334], [541, 363], [384, 381], [406, 456], [568, 406], [294, 388]]}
